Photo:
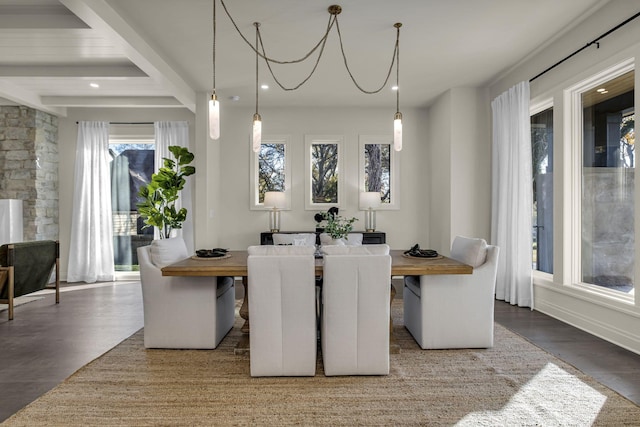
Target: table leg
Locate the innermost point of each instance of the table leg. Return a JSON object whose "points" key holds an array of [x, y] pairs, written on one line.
{"points": [[242, 346], [394, 348]]}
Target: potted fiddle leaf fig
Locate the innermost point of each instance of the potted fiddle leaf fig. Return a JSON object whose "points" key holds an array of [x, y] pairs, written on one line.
{"points": [[158, 199]]}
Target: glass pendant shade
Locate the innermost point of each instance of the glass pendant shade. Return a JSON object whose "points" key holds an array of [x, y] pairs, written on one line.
{"points": [[214, 118], [397, 132], [257, 132]]}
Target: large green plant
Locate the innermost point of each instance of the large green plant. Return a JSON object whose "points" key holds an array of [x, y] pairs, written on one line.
{"points": [[157, 204]]}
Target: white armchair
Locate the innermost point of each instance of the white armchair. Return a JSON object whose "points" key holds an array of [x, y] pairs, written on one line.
{"points": [[355, 310], [182, 312], [454, 311], [281, 291]]}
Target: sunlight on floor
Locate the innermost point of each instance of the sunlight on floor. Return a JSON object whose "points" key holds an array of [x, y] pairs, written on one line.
{"points": [[552, 397]]}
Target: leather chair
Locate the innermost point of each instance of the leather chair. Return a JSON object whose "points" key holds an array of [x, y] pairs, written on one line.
{"points": [[355, 310], [183, 312], [26, 267], [283, 339], [454, 311]]}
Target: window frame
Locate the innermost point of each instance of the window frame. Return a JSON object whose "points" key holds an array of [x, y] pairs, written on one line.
{"points": [[536, 107], [574, 112], [254, 198], [310, 140], [394, 164]]}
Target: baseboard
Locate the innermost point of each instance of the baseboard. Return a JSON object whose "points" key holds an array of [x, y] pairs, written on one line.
{"points": [[602, 321]]}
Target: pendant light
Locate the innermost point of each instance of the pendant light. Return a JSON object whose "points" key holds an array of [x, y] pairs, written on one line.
{"points": [[257, 120], [316, 51], [214, 105], [397, 118]]}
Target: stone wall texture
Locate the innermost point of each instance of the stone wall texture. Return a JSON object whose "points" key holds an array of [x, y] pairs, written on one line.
{"points": [[29, 168]]}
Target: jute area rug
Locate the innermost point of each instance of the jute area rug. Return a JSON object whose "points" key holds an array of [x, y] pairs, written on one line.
{"points": [[513, 384]]}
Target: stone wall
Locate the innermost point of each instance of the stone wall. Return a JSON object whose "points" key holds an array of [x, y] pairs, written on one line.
{"points": [[29, 168]]}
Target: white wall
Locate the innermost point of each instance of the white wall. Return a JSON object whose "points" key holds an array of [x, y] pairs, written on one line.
{"points": [[614, 319], [222, 214], [241, 227], [459, 157]]}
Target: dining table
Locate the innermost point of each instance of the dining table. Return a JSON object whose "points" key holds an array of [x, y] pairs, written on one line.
{"points": [[234, 263]]}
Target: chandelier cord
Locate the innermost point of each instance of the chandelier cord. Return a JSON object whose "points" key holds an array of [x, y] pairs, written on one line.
{"points": [[257, 25], [214, 47], [398, 68], [344, 57], [266, 58], [333, 19], [303, 80]]}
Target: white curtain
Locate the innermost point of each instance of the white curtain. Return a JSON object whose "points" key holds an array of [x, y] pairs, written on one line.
{"points": [[512, 195], [91, 245], [168, 134]]}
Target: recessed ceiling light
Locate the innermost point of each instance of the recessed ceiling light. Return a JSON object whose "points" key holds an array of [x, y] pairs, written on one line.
{"points": [[394, 87], [94, 85], [604, 91], [265, 87], [601, 90]]}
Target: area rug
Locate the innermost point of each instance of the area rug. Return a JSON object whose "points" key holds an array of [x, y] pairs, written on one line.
{"points": [[513, 384]]}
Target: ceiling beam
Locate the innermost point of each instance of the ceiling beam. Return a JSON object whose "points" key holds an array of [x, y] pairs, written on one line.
{"points": [[102, 17], [40, 16], [112, 101], [83, 70], [23, 97]]}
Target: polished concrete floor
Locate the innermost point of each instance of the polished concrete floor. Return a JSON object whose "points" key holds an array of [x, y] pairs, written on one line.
{"points": [[47, 342]]}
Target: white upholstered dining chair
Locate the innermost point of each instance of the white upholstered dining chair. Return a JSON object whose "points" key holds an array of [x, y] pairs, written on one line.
{"points": [[356, 310], [282, 309], [454, 310], [295, 239], [182, 312]]}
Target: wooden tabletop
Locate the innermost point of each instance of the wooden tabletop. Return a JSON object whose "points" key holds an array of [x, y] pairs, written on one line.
{"points": [[236, 265]]}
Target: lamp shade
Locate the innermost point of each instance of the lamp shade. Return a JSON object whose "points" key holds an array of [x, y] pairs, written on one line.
{"points": [[369, 200], [257, 133], [397, 132], [274, 199], [214, 118]]}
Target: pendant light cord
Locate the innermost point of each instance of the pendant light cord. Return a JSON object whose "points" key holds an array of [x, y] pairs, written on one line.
{"points": [[397, 25], [333, 20], [257, 25], [213, 56]]}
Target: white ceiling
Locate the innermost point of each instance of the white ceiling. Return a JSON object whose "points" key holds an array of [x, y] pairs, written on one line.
{"points": [[158, 53]]}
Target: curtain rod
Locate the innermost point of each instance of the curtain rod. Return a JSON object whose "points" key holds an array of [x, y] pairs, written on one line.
{"points": [[595, 41], [129, 123]]}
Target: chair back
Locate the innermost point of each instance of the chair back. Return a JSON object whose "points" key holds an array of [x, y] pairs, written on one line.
{"points": [[356, 310], [282, 310], [33, 263], [352, 239], [295, 239]]}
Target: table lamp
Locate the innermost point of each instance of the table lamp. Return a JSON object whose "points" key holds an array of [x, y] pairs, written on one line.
{"points": [[274, 200], [369, 201]]}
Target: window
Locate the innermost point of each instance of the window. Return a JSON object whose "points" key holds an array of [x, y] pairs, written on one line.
{"points": [[607, 229], [271, 170], [542, 157], [323, 163], [379, 169], [131, 168]]}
